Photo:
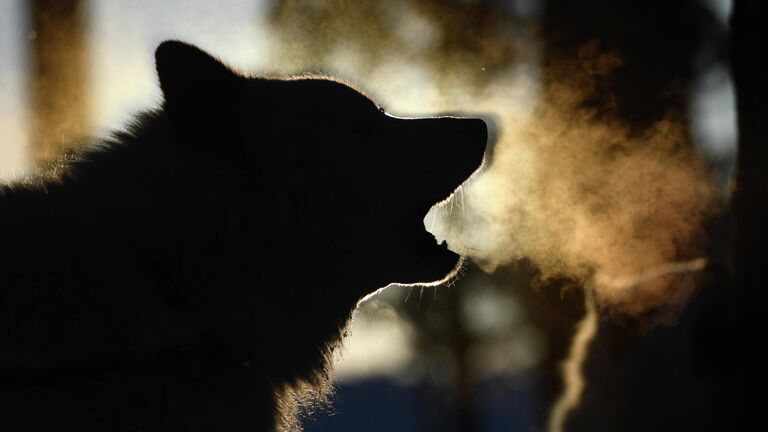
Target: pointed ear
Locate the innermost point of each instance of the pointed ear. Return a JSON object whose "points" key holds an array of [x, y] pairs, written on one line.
{"points": [[195, 85]]}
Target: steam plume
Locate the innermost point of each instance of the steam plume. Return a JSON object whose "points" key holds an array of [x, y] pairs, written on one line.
{"points": [[576, 189], [584, 195]]}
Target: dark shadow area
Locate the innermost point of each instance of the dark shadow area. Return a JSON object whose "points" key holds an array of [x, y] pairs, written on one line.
{"points": [[166, 295]]}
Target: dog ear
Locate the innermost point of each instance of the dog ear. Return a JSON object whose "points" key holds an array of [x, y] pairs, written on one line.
{"points": [[196, 86]]}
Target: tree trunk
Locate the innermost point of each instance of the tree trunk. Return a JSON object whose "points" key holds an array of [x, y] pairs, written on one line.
{"points": [[750, 198], [59, 72]]}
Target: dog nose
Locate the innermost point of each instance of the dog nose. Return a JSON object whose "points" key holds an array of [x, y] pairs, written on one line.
{"points": [[464, 151]]}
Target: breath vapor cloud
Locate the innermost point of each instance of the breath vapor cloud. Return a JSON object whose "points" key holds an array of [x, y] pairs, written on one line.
{"points": [[579, 191]]}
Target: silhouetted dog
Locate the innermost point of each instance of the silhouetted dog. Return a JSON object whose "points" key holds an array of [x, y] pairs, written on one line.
{"points": [[195, 271]]}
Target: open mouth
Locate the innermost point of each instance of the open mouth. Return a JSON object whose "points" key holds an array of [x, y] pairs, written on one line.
{"points": [[435, 258], [439, 256], [456, 154], [437, 250]]}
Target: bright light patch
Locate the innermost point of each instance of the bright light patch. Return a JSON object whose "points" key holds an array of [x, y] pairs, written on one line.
{"points": [[379, 344], [14, 137]]}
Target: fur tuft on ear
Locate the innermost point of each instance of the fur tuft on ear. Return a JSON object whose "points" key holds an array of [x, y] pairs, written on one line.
{"points": [[194, 83]]}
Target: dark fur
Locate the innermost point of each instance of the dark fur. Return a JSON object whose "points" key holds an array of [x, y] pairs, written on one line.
{"points": [[195, 271]]}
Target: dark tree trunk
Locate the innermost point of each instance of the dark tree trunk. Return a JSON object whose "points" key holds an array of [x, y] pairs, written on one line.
{"points": [[750, 198]]}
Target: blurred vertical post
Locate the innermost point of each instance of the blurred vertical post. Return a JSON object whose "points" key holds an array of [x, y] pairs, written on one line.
{"points": [[58, 75], [750, 206]]}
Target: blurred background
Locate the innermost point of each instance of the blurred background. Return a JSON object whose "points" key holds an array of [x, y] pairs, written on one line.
{"points": [[616, 121]]}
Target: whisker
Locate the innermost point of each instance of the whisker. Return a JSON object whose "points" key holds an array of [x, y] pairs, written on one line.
{"points": [[410, 289]]}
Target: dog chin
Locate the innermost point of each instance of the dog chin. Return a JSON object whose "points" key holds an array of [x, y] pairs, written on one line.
{"points": [[444, 273], [431, 265]]}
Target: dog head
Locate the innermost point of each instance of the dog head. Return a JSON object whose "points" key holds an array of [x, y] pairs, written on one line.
{"points": [[333, 175]]}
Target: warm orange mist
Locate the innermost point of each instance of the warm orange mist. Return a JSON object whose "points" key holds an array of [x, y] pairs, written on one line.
{"points": [[586, 197]]}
